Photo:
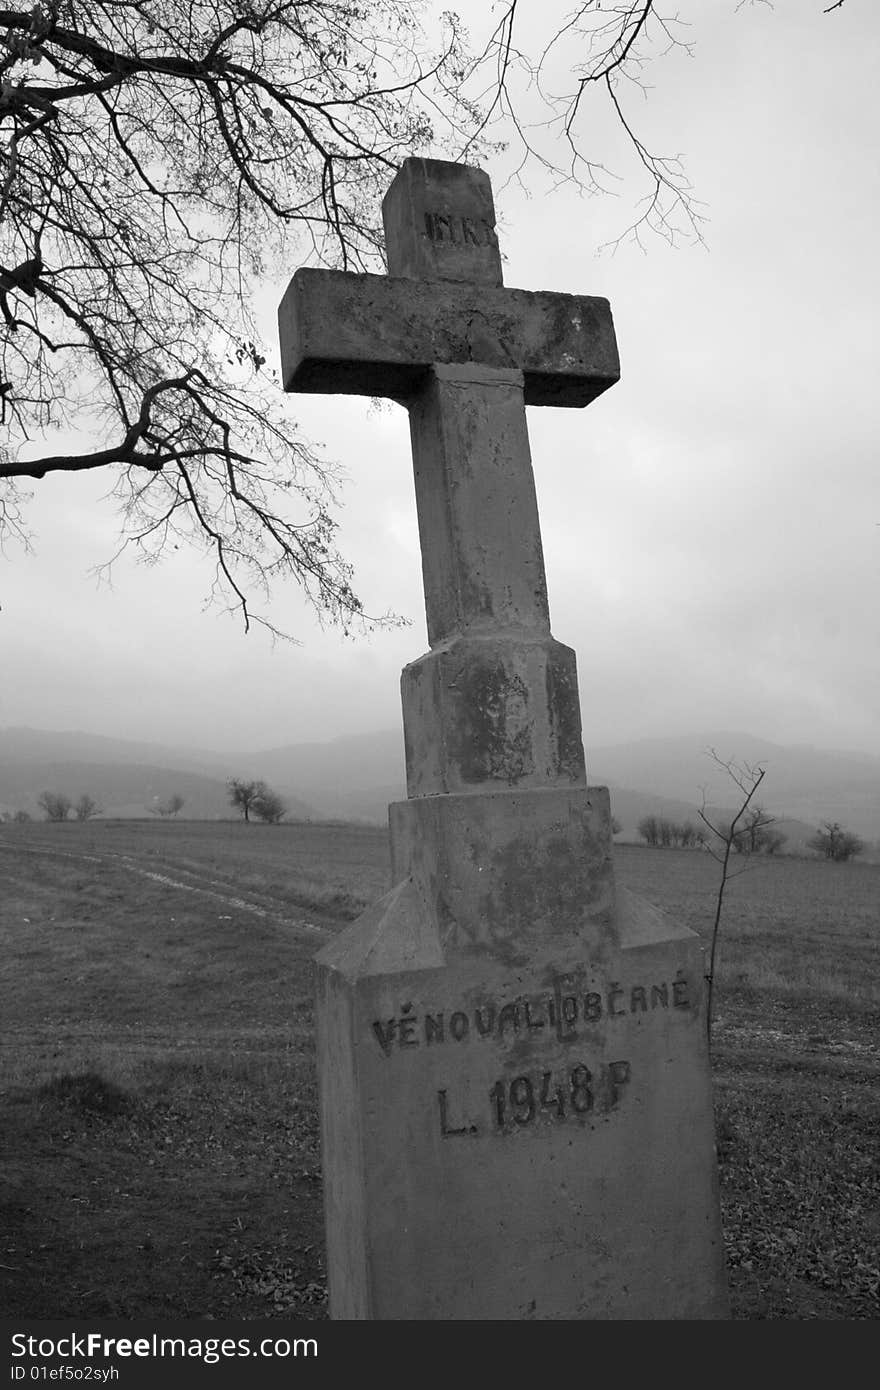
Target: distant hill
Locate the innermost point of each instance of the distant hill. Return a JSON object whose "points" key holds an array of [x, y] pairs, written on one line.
{"points": [[70, 746], [348, 778], [122, 788], [802, 783], [359, 775], [355, 777]]}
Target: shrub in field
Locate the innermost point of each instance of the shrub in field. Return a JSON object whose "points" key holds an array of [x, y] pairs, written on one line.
{"points": [[659, 830], [835, 843], [269, 807]]}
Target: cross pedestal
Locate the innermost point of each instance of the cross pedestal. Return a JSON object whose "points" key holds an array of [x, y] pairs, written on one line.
{"points": [[515, 1093]]}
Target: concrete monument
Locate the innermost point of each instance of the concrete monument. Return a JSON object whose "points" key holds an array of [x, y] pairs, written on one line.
{"points": [[515, 1091]]}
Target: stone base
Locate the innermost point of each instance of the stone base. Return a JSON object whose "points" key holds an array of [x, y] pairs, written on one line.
{"points": [[515, 1091]]}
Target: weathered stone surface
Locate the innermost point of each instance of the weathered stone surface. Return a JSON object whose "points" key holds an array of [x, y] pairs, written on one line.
{"points": [[482, 561], [515, 1094], [440, 227], [518, 1123], [492, 711], [370, 335]]}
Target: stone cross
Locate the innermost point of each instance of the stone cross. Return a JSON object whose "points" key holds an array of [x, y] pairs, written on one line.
{"points": [[515, 1095], [466, 355]]}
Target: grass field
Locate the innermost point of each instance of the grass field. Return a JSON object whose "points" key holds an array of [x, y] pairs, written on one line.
{"points": [[158, 1110]]}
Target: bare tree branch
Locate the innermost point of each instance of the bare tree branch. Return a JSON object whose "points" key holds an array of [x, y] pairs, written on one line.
{"points": [[748, 780], [155, 158], [160, 158]]}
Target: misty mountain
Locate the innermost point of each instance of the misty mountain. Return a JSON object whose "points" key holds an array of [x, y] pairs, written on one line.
{"points": [[355, 777], [123, 788], [71, 746], [802, 783], [352, 777]]}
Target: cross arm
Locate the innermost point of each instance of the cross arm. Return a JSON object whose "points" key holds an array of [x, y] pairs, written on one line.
{"points": [[376, 335]]}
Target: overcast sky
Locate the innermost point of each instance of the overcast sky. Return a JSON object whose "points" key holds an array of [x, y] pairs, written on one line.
{"points": [[711, 524]]}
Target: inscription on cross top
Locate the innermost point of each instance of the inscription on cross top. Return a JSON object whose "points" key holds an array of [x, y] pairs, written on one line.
{"points": [[441, 227], [514, 1084]]}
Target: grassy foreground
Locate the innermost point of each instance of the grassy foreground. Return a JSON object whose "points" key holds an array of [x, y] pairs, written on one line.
{"points": [[158, 1108]]}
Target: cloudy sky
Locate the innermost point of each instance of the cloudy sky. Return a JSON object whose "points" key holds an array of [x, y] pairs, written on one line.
{"points": [[711, 525]]}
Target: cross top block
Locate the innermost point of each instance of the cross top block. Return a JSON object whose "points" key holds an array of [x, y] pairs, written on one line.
{"points": [[443, 304], [440, 224]]}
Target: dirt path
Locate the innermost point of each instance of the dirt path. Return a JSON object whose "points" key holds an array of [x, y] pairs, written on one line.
{"points": [[266, 907]]}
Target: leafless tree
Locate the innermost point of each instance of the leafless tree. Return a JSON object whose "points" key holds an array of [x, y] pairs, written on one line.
{"points": [[665, 829], [602, 52], [748, 779], [649, 829], [168, 808], [86, 807], [56, 805], [246, 795], [157, 155], [687, 834]]}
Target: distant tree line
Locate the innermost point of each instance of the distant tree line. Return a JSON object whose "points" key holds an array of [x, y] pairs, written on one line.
{"points": [[254, 798], [58, 806], [754, 836]]}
